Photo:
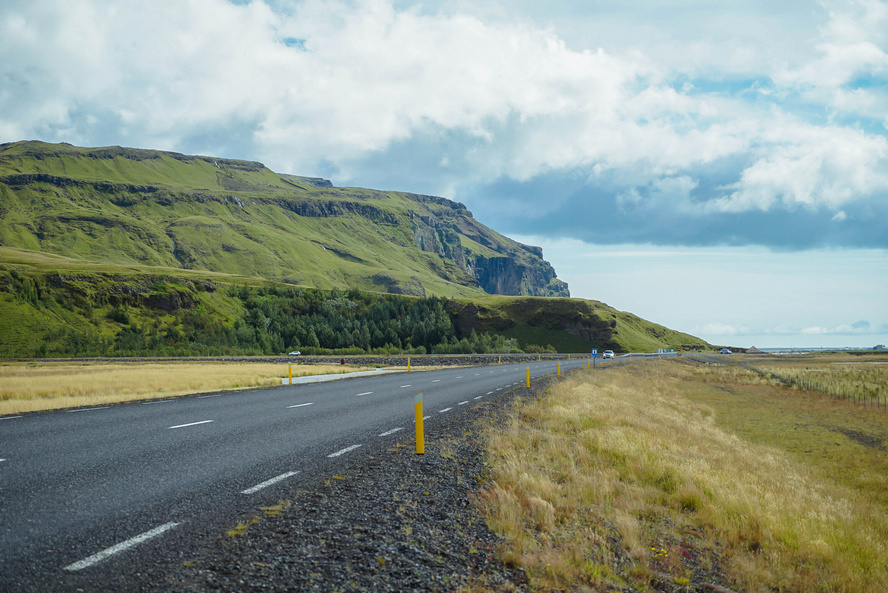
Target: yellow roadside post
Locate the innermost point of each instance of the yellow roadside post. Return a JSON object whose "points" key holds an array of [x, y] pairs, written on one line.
{"points": [[290, 373], [539, 357], [420, 435], [559, 368], [588, 361], [500, 361], [408, 363], [528, 378], [568, 357]]}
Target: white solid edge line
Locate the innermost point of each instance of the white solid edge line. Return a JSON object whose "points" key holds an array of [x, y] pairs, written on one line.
{"points": [[159, 401], [88, 409], [343, 451], [9, 417], [385, 434], [189, 424], [267, 483], [301, 405], [206, 396], [108, 552]]}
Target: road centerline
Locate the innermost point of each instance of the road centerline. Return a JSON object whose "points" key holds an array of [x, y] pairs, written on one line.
{"points": [[301, 405]]}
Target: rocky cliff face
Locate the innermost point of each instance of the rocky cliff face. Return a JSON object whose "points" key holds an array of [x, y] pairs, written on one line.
{"points": [[498, 264]]}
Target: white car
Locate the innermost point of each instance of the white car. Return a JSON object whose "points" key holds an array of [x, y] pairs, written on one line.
{"points": [[608, 354], [295, 353]]}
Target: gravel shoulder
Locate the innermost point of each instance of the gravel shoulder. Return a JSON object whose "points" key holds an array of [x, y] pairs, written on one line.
{"points": [[393, 521]]}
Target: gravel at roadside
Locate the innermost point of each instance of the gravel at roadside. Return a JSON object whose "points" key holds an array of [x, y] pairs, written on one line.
{"points": [[396, 521]]}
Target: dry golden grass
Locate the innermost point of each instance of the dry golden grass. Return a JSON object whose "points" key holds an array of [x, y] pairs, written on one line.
{"points": [[32, 386], [632, 477], [864, 379]]}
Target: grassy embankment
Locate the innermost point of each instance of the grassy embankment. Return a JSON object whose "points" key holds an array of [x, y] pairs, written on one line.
{"points": [[31, 386], [667, 475]]}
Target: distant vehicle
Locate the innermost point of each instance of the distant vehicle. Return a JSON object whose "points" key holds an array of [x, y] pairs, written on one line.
{"points": [[608, 354], [725, 351], [295, 353]]}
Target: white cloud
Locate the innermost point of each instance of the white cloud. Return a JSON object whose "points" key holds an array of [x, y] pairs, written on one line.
{"points": [[811, 167], [721, 329], [523, 95]]}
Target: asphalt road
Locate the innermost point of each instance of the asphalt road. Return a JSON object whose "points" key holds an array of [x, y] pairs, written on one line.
{"points": [[89, 495]]}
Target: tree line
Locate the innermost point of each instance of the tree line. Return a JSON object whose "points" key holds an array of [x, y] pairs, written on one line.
{"points": [[270, 320]]}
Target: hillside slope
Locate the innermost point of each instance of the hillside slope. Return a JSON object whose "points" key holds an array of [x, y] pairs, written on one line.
{"points": [[52, 306], [131, 206]]}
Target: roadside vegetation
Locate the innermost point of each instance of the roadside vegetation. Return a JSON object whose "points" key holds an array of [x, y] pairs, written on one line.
{"points": [[678, 476], [861, 379], [33, 386]]}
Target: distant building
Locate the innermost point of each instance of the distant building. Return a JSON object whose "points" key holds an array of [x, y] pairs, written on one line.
{"points": [[754, 350]]}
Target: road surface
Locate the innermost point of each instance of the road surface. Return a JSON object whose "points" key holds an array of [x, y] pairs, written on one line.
{"points": [[123, 489]]}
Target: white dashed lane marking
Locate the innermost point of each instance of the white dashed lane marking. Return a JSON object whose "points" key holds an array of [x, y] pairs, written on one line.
{"points": [[365, 393], [268, 483], [479, 397], [189, 424], [122, 546], [403, 386], [88, 409], [444, 410], [390, 432], [343, 451], [462, 403]]}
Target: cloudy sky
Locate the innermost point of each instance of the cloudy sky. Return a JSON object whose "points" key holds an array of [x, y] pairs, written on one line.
{"points": [[717, 167]]}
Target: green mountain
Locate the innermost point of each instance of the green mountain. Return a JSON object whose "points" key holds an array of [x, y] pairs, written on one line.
{"points": [[125, 252], [131, 206]]}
